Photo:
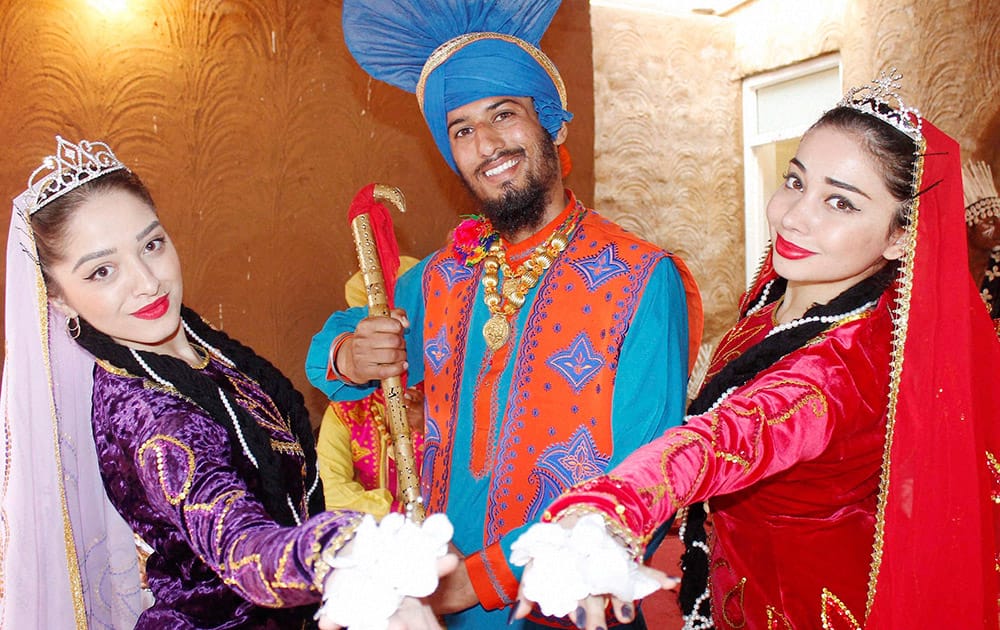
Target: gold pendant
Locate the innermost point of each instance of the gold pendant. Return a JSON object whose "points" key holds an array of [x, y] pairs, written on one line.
{"points": [[496, 331]]}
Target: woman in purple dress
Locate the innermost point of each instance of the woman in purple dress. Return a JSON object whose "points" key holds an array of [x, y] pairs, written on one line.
{"points": [[204, 448]]}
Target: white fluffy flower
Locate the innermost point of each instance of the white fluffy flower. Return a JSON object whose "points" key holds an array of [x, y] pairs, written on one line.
{"points": [[386, 562], [568, 565]]}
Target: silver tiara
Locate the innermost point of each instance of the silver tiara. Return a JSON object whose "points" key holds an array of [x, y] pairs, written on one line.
{"points": [[881, 99], [72, 166]]}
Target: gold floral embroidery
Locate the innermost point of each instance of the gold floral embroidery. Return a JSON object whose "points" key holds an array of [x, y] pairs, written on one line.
{"points": [[322, 556], [287, 448], [776, 620], [994, 468], [230, 497], [835, 615], [732, 604], [808, 396], [164, 447], [655, 493]]}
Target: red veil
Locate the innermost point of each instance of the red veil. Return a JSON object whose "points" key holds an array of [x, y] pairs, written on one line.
{"points": [[934, 563]]}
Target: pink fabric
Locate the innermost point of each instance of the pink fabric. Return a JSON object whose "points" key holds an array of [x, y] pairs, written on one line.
{"points": [[50, 488], [365, 418]]}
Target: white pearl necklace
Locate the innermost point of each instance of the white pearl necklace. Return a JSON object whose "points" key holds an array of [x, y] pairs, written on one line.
{"points": [[208, 346], [153, 375], [826, 319], [761, 301], [239, 431], [232, 414], [695, 621]]}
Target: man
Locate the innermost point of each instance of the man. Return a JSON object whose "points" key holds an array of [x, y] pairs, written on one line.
{"points": [[551, 342]]}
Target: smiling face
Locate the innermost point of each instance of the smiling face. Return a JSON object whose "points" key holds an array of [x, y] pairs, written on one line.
{"points": [[118, 270], [508, 161], [831, 222]]}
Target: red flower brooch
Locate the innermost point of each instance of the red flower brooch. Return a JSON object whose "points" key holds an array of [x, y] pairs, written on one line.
{"points": [[472, 239]]}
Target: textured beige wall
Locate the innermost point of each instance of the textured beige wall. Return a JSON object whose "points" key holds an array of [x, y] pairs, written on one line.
{"points": [[667, 152], [668, 108], [254, 128]]}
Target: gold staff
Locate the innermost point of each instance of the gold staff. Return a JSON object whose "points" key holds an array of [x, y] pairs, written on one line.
{"points": [[407, 478]]}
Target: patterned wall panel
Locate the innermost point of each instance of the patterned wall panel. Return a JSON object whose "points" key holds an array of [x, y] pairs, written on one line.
{"points": [[667, 93], [667, 154], [254, 128]]}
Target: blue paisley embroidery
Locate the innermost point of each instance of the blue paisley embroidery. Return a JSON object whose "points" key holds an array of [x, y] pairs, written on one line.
{"points": [[563, 465], [437, 350], [452, 271], [601, 267], [578, 363]]}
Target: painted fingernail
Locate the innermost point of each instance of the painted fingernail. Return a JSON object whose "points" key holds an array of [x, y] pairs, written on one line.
{"points": [[510, 615], [627, 612], [580, 617]]}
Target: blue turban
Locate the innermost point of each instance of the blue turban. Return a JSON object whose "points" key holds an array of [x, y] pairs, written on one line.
{"points": [[453, 52]]}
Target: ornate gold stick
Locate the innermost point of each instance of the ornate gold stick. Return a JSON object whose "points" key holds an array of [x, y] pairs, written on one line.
{"points": [[407, 476]]}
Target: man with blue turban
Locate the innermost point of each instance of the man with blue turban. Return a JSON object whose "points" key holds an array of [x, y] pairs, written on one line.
{"points": [[550, 341]]}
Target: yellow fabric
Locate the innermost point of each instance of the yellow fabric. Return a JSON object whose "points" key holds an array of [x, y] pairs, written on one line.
{"points": [[354, 289], [336, 469]]}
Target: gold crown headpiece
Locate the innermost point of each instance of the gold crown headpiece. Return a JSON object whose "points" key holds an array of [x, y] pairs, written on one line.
{"points": [[881, 99], [72, 166]]}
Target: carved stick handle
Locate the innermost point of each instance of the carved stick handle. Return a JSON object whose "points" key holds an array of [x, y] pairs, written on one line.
{"points": [[407, 476]]}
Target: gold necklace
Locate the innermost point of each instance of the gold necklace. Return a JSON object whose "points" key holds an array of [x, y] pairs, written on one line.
{"points": [[505, 301]]}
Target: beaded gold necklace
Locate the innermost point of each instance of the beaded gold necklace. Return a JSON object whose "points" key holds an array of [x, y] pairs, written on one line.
{"points": [[504, 301]]}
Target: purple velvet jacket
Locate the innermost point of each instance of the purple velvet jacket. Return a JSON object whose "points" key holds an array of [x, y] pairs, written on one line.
{"points": [[219, 561]]}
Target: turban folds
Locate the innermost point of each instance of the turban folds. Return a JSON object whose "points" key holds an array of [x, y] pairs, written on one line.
{"points": [[453, 52]]}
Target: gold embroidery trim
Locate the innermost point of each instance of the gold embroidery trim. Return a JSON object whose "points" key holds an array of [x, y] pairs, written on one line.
{"points": [[156, 443], [444, 52], [901, 318]]}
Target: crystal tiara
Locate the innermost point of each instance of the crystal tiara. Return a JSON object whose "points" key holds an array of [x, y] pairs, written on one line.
{"points": [[72, 166], [881, 99]]}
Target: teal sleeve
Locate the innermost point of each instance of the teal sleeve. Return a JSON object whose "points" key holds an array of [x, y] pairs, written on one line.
{"points": [[409, 297], [651, 385]]}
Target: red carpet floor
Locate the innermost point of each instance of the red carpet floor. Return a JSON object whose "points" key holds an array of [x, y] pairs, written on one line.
{"points": [[660, 608]]}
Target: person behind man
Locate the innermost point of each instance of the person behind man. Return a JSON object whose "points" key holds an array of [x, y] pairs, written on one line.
{"points": [[354, 448], [551, 342], [982, 220]]}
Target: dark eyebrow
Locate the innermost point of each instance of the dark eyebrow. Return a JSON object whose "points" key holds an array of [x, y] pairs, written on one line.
{"points": [[834, 182], [149, 228], [92, 256], [846, 186], [490, 108], [106, 252]]}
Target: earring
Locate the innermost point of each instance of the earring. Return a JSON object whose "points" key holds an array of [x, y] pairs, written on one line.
{"points": [[73, 326]]}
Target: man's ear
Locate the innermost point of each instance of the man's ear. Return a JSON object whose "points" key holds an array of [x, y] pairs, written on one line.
{"points": [[560, 136]]}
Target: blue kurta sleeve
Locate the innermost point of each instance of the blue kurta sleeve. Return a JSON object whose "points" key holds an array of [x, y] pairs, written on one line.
{"points": [[409, 297], [651, 385]]}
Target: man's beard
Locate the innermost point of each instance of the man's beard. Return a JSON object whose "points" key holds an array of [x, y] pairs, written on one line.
{"points": [[522, 208]]}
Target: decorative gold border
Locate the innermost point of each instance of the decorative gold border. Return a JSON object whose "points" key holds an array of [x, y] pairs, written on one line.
{"points": [[69, 542], [901, 318], [444, 52]]}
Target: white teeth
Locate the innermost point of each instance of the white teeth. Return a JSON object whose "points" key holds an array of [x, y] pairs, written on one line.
{"points": [[500, 169]]}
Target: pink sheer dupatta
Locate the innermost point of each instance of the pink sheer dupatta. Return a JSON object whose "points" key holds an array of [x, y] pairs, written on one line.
{"points": [[67, 559]]}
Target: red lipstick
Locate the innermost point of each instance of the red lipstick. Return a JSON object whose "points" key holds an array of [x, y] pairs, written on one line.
{"points": [[154, 310], [790, 251]]}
